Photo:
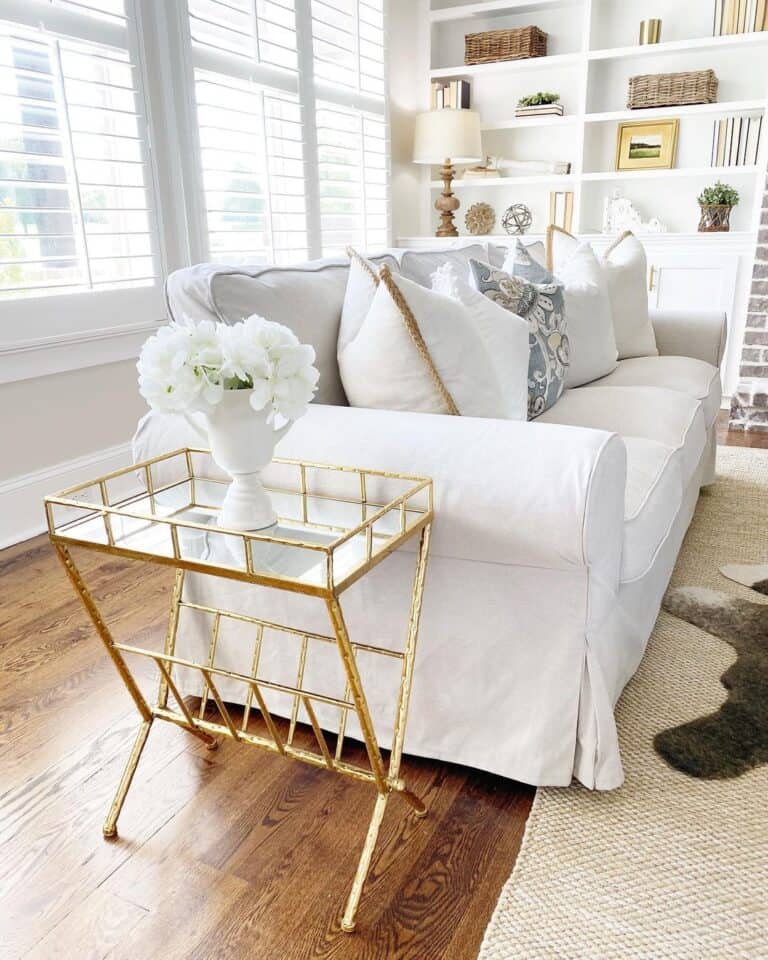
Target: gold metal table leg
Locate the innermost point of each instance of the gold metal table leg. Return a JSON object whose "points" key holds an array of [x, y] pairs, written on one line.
{"points": [[110, 824], [364, 864]]}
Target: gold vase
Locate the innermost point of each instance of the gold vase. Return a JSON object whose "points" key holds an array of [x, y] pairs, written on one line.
{"points": [[650, 31]]}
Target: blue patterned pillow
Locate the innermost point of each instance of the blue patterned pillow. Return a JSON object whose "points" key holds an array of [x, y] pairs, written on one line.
{"points": [[541, 304]]}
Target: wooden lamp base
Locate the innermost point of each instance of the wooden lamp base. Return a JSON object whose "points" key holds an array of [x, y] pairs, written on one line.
{"points": [[447, 203]]}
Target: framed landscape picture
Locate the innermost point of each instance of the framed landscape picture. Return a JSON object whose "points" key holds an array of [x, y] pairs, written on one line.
{"points": [[646, 145]]}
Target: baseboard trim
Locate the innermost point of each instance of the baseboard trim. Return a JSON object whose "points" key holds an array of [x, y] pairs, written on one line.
{"points": [[21, 498]]}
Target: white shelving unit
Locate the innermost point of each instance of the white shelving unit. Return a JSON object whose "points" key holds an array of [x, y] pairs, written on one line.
{"points": [[593, 51]]}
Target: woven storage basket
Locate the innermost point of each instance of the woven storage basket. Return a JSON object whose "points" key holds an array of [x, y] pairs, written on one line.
{"points": [[493, 45], [672, 89]]}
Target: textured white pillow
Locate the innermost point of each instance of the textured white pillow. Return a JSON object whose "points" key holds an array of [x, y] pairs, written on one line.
{"points": [[626, 268], [587, 308], [420, 351], [504, 335], [362, 281]]}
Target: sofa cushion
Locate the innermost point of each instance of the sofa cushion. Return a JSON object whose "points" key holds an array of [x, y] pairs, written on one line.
{"points": [[497, 253], [504, 335], [695, 378], [422, 352], [419, 265], [541, 305], [652, 413], [652, 499], [587, 309]]}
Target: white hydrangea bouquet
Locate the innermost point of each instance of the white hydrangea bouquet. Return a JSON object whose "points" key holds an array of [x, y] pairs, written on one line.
{"points": [[244, 377], [190, 366]]}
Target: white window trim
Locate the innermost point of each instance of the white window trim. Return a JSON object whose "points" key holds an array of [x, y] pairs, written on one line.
{"points": [[44, 335], [159, 42]]}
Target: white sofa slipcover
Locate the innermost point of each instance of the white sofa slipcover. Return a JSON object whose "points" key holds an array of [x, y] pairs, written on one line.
{"points": [[553, 544]]}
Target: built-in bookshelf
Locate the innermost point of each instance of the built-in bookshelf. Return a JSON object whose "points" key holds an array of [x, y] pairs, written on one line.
{"points": [[593, 50]]}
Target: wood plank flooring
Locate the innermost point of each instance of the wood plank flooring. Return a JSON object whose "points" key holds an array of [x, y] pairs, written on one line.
{"points": [[223, 855]]}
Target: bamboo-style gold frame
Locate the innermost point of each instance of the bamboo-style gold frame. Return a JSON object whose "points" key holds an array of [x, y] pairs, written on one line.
{"points": [[405, 516]]}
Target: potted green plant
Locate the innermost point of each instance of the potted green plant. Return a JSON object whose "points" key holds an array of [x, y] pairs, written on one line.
{"points": [[716, 203], [539, 103]]}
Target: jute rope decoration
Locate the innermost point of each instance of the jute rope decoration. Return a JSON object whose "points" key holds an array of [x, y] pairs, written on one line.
{"points": [[616, 242], [412, 327], [362, 262], [552, 229]]}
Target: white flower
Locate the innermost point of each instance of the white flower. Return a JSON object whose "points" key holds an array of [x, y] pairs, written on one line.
{"points": [[189, 366]]}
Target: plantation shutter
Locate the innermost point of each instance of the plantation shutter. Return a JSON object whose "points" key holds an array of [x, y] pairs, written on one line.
{"points": [[76, 203], [250, 130], [352, 131]]}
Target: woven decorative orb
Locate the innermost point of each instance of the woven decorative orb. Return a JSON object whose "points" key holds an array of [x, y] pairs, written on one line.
{"points": [[480, 218], [517, 218]]}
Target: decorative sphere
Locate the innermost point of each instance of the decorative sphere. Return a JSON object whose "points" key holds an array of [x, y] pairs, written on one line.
{"points": [[517, 218]]}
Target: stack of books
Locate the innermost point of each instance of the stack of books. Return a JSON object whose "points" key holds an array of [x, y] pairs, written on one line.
{"points": [[740, 16], [453, 95], [736, 141], [542, 110]]}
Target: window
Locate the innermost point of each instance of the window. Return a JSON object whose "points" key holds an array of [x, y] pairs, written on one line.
{"points": [[140, 133], [290, 168], [75, 197]]}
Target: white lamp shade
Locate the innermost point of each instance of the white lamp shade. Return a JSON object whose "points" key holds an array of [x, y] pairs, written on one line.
{"points": [[447, 135]]}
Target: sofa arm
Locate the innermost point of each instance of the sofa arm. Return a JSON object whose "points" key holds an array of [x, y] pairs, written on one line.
{"points": [[691, 333], [505, 491]]}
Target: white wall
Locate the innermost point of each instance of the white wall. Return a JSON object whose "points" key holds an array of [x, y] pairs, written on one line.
{"points": [[408, 41]]}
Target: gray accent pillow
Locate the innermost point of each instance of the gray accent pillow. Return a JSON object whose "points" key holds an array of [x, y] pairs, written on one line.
{"points": [[542, 305]]}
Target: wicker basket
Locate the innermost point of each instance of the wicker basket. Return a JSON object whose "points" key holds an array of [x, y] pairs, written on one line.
{"points": [[494, 45], [672, 89]]}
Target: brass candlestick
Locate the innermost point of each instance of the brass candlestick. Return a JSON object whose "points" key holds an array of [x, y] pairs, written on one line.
{"points": [[447, 203]]}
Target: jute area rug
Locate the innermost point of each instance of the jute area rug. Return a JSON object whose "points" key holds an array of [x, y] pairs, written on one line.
{"points": [[668, 867]]}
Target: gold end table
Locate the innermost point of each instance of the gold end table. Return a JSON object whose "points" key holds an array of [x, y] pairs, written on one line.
{"points": [[336, 524]]}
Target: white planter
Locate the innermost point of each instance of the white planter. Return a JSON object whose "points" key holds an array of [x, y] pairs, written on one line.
{"points": [[243, 443]]}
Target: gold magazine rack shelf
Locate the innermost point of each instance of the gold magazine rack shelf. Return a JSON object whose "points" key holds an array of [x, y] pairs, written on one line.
{"points": [[335, 525]]}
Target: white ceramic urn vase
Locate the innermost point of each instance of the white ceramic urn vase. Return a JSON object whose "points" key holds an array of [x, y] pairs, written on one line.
{"points": [[242, 443]]}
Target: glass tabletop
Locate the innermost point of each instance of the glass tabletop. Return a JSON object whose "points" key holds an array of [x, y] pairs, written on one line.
{"points": [[333, 521]]}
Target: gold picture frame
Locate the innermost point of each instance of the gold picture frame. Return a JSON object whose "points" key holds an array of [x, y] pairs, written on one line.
{"points": [[646, 145]]}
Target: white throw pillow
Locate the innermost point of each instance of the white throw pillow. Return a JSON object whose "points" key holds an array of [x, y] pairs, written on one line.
{"points": [[504, 335], [587, 308], [419, 351], [362, 281], [624, 267]]}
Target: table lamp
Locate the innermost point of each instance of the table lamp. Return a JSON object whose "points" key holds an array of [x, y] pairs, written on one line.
{"points": [[446, 137]]}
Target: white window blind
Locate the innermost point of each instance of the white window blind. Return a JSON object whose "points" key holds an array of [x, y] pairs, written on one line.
{"points": [[259, 30], [352, 131], [253, 171], [75, 204], [272, 145], [352, 173]]}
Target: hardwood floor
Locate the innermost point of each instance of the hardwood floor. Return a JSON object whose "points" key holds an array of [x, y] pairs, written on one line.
{"points": [[230, 854]]}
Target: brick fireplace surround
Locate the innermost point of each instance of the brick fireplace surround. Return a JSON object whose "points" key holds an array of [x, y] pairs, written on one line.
{"points": [[749, 405]]}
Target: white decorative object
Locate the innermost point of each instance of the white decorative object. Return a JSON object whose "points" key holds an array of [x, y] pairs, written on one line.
{"points": [[243, 443], [241, 376], [619, 214]]}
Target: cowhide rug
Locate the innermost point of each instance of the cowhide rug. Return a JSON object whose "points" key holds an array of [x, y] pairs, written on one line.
{"points": [[735, 738]]}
